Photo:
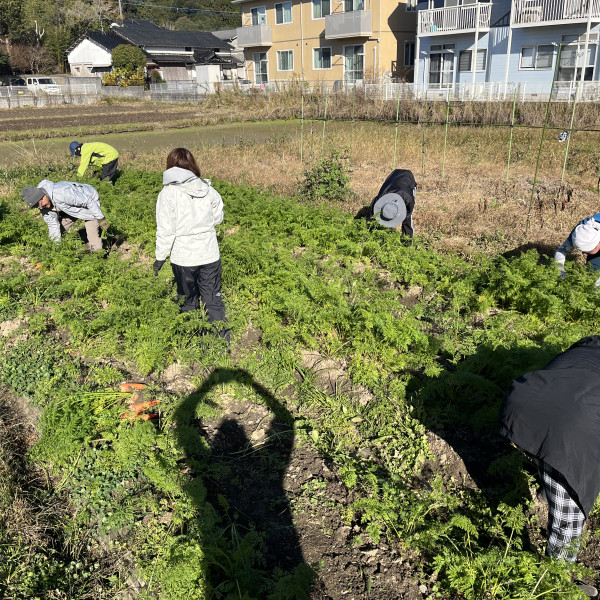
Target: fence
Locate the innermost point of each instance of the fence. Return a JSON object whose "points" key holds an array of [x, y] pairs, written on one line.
{"points": [[73, 92]]}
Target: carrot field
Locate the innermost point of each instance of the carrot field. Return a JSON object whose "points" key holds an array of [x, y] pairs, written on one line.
{"points": [[345, 446]]}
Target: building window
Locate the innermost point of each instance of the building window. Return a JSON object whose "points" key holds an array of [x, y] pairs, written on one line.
{"points": [[411, 5], [465, 59], [285, 60], [409, 54], [259, 15], [321, 58], [572, 58], [261, 71], [283, 13], [537, 57], [321, 8], [441, 66], [352, 5], [354, 62]]}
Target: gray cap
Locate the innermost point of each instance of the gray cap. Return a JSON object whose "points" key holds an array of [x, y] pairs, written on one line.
{"points": [[32, 195], [390, 210]]}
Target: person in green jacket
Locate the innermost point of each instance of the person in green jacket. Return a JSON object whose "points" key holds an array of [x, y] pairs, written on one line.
{"points": [[97, 154]]}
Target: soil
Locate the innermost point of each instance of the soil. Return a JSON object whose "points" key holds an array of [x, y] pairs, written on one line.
{"points": [[286, 490], [102, 114]]}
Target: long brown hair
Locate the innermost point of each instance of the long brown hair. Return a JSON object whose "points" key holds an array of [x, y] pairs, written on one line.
{"points": [[184, 159]]}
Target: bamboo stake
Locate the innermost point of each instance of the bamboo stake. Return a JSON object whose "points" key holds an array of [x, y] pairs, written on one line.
{"points": [[396, 135], [446, 134], [512, 129], [324, 123], [353, 122], [423, 150], [537, 165], [302, 130], [562, 179]]}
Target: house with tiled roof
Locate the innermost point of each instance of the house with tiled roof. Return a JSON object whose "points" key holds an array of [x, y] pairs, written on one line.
{"points": [[178, 56]]}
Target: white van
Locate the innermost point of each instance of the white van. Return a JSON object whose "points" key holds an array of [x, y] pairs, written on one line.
{"points": [[47, 85]]}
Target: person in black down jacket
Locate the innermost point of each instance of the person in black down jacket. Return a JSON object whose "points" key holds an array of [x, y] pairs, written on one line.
{"points": [[395, 201], [554, 416]]}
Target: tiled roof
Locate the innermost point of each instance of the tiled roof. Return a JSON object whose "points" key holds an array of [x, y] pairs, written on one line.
{"points": [[107, 40], [144, 35]]}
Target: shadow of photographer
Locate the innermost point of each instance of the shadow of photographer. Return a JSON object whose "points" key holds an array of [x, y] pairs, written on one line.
{"points": [[242, 475]]}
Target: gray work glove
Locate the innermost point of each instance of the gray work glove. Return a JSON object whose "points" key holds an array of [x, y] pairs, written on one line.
{"points": [[157, 266], [104, 224]]}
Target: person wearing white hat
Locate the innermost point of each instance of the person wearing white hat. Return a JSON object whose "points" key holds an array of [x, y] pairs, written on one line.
{"points": [[395, 201], [585, 237]]}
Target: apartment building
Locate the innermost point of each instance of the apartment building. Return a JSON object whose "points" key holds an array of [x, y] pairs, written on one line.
{"points": [[329, 41], [507, 42]]}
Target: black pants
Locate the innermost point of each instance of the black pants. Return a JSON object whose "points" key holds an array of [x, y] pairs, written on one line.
{"points": [[109, 170], [201, 283]]}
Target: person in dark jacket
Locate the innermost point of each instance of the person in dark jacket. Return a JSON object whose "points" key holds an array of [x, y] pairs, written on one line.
{"points": [[554, 416], [395, 201]]}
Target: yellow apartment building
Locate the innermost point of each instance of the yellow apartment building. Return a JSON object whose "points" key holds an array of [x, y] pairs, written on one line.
{"points": [[328, 41]]}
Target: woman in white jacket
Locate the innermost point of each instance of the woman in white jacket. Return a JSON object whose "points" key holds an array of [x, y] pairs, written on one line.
{"points": [[187, 211]]}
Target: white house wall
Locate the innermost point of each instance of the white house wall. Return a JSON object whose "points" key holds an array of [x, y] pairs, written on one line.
{"points": [[90, 53], [207, 76]]}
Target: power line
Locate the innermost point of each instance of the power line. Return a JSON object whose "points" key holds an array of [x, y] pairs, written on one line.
{"points": [[189, 11]]}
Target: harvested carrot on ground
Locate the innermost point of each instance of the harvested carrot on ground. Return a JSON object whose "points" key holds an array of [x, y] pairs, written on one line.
{"points": [[131, 387]]}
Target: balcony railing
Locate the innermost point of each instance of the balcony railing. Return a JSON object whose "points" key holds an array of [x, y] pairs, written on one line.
{"points": [[255, 35], [542, 12], [348, 24], [455, 19]]}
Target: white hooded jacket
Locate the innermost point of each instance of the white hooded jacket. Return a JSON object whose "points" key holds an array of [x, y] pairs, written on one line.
{"points": [[187, 210]]}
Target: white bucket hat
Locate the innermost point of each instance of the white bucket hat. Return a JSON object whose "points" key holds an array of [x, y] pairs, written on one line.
{"points": [[390, 210], [586, 236]]}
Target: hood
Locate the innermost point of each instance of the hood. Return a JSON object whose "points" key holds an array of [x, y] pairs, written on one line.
{"points": [[186, 181], [47, 186]]}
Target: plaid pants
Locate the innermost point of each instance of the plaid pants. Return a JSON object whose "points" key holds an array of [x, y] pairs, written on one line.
{"points": [[565, 517]]}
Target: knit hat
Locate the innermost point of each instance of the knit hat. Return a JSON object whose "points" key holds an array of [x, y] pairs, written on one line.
{"points": [[32, 195], [586, 236], [390, 210], [73, 147]]}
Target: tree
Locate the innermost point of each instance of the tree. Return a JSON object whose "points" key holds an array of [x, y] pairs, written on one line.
{"points": [[130, 58], [26, 58], [4, 64]]}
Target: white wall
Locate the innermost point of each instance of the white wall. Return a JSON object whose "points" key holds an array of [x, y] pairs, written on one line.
{"points": [[208, 75], [89, 52]]}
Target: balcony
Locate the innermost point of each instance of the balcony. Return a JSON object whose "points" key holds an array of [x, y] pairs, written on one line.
{"points": [[356, 23], [531, 13], [455, 19], [253, 36]]}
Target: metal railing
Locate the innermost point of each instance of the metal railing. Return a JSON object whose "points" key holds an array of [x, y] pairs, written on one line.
{"points": [[455, 19], [531, 12]]}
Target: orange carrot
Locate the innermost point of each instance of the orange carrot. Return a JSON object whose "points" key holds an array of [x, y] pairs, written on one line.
{"points": [[130, 387]]}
